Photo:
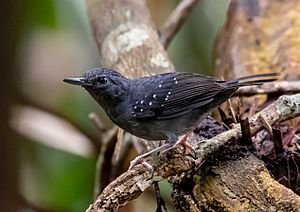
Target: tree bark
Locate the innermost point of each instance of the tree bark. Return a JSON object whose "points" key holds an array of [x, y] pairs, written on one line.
{"points": [[127, 38], [240, 185], [260, 36]]}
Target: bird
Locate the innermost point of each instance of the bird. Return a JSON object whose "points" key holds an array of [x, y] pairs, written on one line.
{"points": [[166, 106]]}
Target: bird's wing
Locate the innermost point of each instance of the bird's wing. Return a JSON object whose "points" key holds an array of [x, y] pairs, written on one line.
{"points": [[175, 95]]}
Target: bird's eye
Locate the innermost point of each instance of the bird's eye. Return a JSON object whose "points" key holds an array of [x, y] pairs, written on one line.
{"points": [[101, 80]]}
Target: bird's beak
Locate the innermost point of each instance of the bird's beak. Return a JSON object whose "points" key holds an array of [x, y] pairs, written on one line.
{"points": [[76, 81]]}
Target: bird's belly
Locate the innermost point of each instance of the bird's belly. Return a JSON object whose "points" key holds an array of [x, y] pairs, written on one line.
{"points": [[161, 129], [147, 130], [169, 129], [140, 129]]}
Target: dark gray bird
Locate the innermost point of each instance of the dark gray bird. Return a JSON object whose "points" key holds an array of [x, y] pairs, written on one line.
{"points": [[160, 107]]}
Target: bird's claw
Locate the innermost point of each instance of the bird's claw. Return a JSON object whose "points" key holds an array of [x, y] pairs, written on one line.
{"points": [[184, 142], [141, 160]]}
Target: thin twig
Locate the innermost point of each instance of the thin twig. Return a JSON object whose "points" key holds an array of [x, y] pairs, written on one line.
{"points": [[277, 138], [175, 21], [278, 87], [266, 124], [122, 163], [231, 110], [118, 146], [97, 121], [161, 206], [50, 130], [106, 139], [246, 135], [29, 102]]}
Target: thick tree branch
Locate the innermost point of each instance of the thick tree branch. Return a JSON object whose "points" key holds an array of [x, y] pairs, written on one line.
{"points": [[235, 185], [131, 184], [127, 38]]}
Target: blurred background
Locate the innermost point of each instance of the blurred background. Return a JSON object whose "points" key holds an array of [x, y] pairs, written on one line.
{"points": [[50, 140]]}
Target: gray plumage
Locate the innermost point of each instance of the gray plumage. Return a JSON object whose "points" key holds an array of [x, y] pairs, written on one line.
{"points": [[164, 106]]}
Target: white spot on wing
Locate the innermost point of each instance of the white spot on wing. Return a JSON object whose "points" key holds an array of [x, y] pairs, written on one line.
{"points": [[176, 82], [142, 101], [159, 86], [150, 103], [142, 110], [154, 96]]}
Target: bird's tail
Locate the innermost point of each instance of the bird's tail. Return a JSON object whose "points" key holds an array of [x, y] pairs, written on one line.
{"points": [[257, 79]]}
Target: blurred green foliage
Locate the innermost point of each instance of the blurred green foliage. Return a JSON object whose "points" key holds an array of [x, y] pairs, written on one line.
{"points": [[55, 179], [39, 14]]}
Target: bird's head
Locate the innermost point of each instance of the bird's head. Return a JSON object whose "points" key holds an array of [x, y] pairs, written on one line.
{"points": [[103, 84]]}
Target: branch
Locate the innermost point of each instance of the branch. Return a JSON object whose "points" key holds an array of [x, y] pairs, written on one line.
{"points": [[50, 130], [26, 101], [175, 21], [133, 183], [279, 87], [240, 184]]}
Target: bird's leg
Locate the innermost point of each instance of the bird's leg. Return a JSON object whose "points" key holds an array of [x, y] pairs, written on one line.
{"points": [[183, 140], [141, 158]]}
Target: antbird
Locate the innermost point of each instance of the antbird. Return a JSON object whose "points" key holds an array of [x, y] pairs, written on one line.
{"points": [[161, 107]]}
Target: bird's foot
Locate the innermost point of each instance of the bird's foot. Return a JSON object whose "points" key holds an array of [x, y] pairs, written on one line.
{"points": [[141, 160], [183, 140]]}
